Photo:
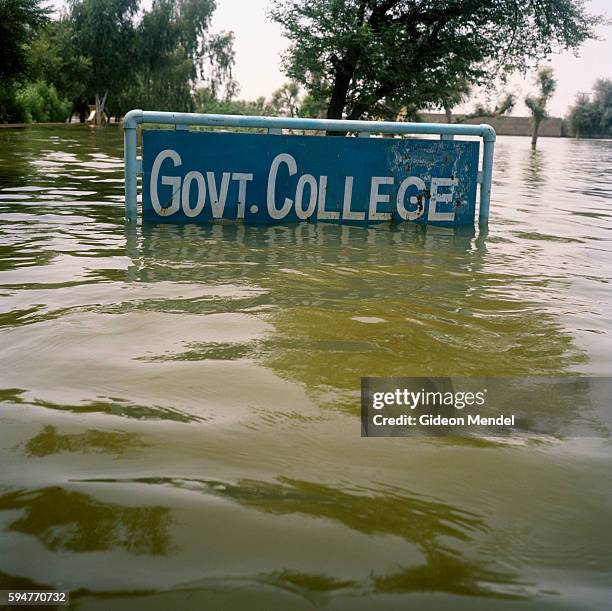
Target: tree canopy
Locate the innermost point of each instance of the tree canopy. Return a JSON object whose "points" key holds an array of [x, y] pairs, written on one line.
{"points": [[591, 115], [19, 20], [116, 52], [371, 58], [353, 58], [154, 61], [103, 32], [54, 57]]}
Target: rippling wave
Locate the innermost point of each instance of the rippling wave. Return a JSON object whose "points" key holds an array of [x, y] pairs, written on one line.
{"points": [[179, 405]]}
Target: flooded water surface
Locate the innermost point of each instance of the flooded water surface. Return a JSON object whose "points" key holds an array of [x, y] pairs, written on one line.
{"points": [[179, 415]]}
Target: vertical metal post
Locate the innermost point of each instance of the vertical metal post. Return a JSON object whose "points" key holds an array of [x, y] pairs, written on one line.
{"points": [[487, 177], [129, 158]]}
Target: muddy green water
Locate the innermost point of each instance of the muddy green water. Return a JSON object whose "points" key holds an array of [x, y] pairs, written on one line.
{"points": [[179, 415]]}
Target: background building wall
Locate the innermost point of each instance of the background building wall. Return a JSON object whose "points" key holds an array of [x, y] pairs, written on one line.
{"points": [[504, 126]]}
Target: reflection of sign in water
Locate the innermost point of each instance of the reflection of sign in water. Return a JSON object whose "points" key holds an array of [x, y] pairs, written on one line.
{"points": [[204, 176]]}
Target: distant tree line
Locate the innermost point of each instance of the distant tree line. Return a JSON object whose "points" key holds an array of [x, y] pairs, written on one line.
{"points": [[111, 53], [287, 101], [591, 115], [115, 55], [354, 59]]}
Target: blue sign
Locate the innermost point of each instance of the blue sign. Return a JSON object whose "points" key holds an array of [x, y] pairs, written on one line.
{"points": [[257, 178]]}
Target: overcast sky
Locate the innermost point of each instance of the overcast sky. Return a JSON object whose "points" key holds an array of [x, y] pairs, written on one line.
{"points": [[259, 45]]}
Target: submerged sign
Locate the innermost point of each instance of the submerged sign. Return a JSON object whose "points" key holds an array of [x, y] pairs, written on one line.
{"points": [[254, 178]]}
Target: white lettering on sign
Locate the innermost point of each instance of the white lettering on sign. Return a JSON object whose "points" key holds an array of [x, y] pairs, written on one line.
{"points": [[410, 215], [189, 177], [174, 182], [273, 211], [191, 193], [218, 199], [323, 214], [311, 181], [347, 213], [436, 197], [242, 179], [376, 198]]}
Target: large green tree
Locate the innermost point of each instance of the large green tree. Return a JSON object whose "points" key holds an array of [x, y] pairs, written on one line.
{"points": [[591, 115], [19, 22], [370, 58], [55, 58], [104, 33], [152, 58], [173, 51]]}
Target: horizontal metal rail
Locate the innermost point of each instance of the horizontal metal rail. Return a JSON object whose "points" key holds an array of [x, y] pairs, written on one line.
{"points": [[134, 118]]}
